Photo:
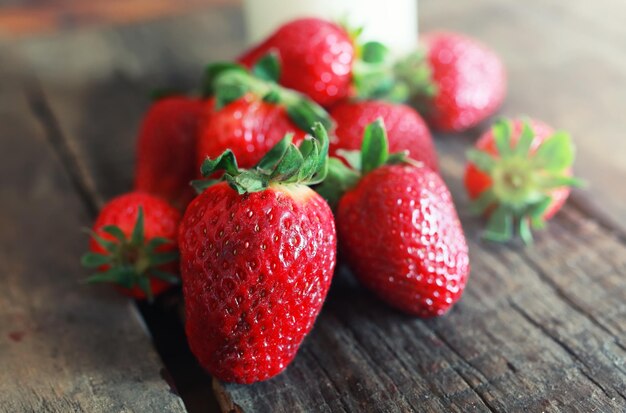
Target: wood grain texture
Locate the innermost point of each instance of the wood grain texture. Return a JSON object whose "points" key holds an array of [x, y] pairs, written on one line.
{"points": [[63, 346], [538, 329]]}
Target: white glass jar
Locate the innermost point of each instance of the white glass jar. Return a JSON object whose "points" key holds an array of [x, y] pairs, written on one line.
{"points": [[392, 22]]}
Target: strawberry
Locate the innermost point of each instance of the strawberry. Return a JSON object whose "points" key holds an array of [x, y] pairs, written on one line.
{"points": [[399, 231], [405, 129], [323, 61], [520, 175], [458, 84], [252, 113], [257, 258], [133, 245], [166, 149]]}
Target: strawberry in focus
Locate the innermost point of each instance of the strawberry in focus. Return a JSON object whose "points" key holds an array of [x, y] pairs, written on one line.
{"points": [[257, 257], [457, 84], [250, 114], [166, 149], [133, 245], [405, 129], [398, 228], [520, 174]]}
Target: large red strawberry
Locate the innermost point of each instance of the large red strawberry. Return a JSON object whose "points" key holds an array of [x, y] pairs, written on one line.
{"points": [[399, 230], [166, 149], [520, 174], [257, 257], [133, 245], [251, 114], [323, 61], [461, 84], [405, 129]]}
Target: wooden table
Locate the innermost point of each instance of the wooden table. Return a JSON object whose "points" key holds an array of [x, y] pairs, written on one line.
{"points": [[539, 329]]}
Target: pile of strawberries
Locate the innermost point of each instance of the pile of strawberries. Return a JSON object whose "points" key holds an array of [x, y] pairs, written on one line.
{"points": [[256, 243]]}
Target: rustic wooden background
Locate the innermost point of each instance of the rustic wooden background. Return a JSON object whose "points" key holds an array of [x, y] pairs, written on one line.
{"points": [[538, 329]]}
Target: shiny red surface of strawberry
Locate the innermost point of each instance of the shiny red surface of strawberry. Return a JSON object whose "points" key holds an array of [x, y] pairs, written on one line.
{"points": [[316, 58], [257, 257], [166, 149], [405, 129], [401, 236], [248, 126], [469, 78]]}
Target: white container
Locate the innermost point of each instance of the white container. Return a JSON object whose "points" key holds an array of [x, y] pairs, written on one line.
{"points": [[392, 22]]}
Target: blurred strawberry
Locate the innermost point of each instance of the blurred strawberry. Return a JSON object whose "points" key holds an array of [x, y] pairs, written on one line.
{"points": [[324, 60], [133, 245], [166, 149], [457, 83], [405, 129], [520, 175]]}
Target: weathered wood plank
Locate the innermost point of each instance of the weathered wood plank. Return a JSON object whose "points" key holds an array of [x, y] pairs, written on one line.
{"points": [[63, 347], [539, 329]]}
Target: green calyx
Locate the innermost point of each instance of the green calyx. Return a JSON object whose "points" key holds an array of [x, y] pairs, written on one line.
{"points": [[522, 180], [130, 262], [414, 75], [230, 81], [374, 153], [372, 69], [285, 163]]}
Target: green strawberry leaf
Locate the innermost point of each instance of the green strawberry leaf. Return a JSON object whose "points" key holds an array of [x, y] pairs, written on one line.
{"points": [[226, 161], [267, 67], [137, 236], [525, 141], [274, 155], [555, 153], [524, 231], [482, 160], [215, 70], [94, 260], [115, 231], [304, 113], [500, 225], [558, 181], [374, 149], [374, 52], [289, 165], [502, 137], [247, 181]]}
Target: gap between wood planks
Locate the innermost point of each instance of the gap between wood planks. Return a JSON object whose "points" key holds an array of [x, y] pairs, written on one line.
{"points": [[84, 185], [182, 372]]}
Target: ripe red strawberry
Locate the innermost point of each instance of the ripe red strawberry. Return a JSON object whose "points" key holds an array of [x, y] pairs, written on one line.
{"points": [[133, 245], [324, 61], [405, 129], [253, 118], [468, 79], [166, 149], [316, 56], [257, 258], [520, 174], [400, 233]]}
